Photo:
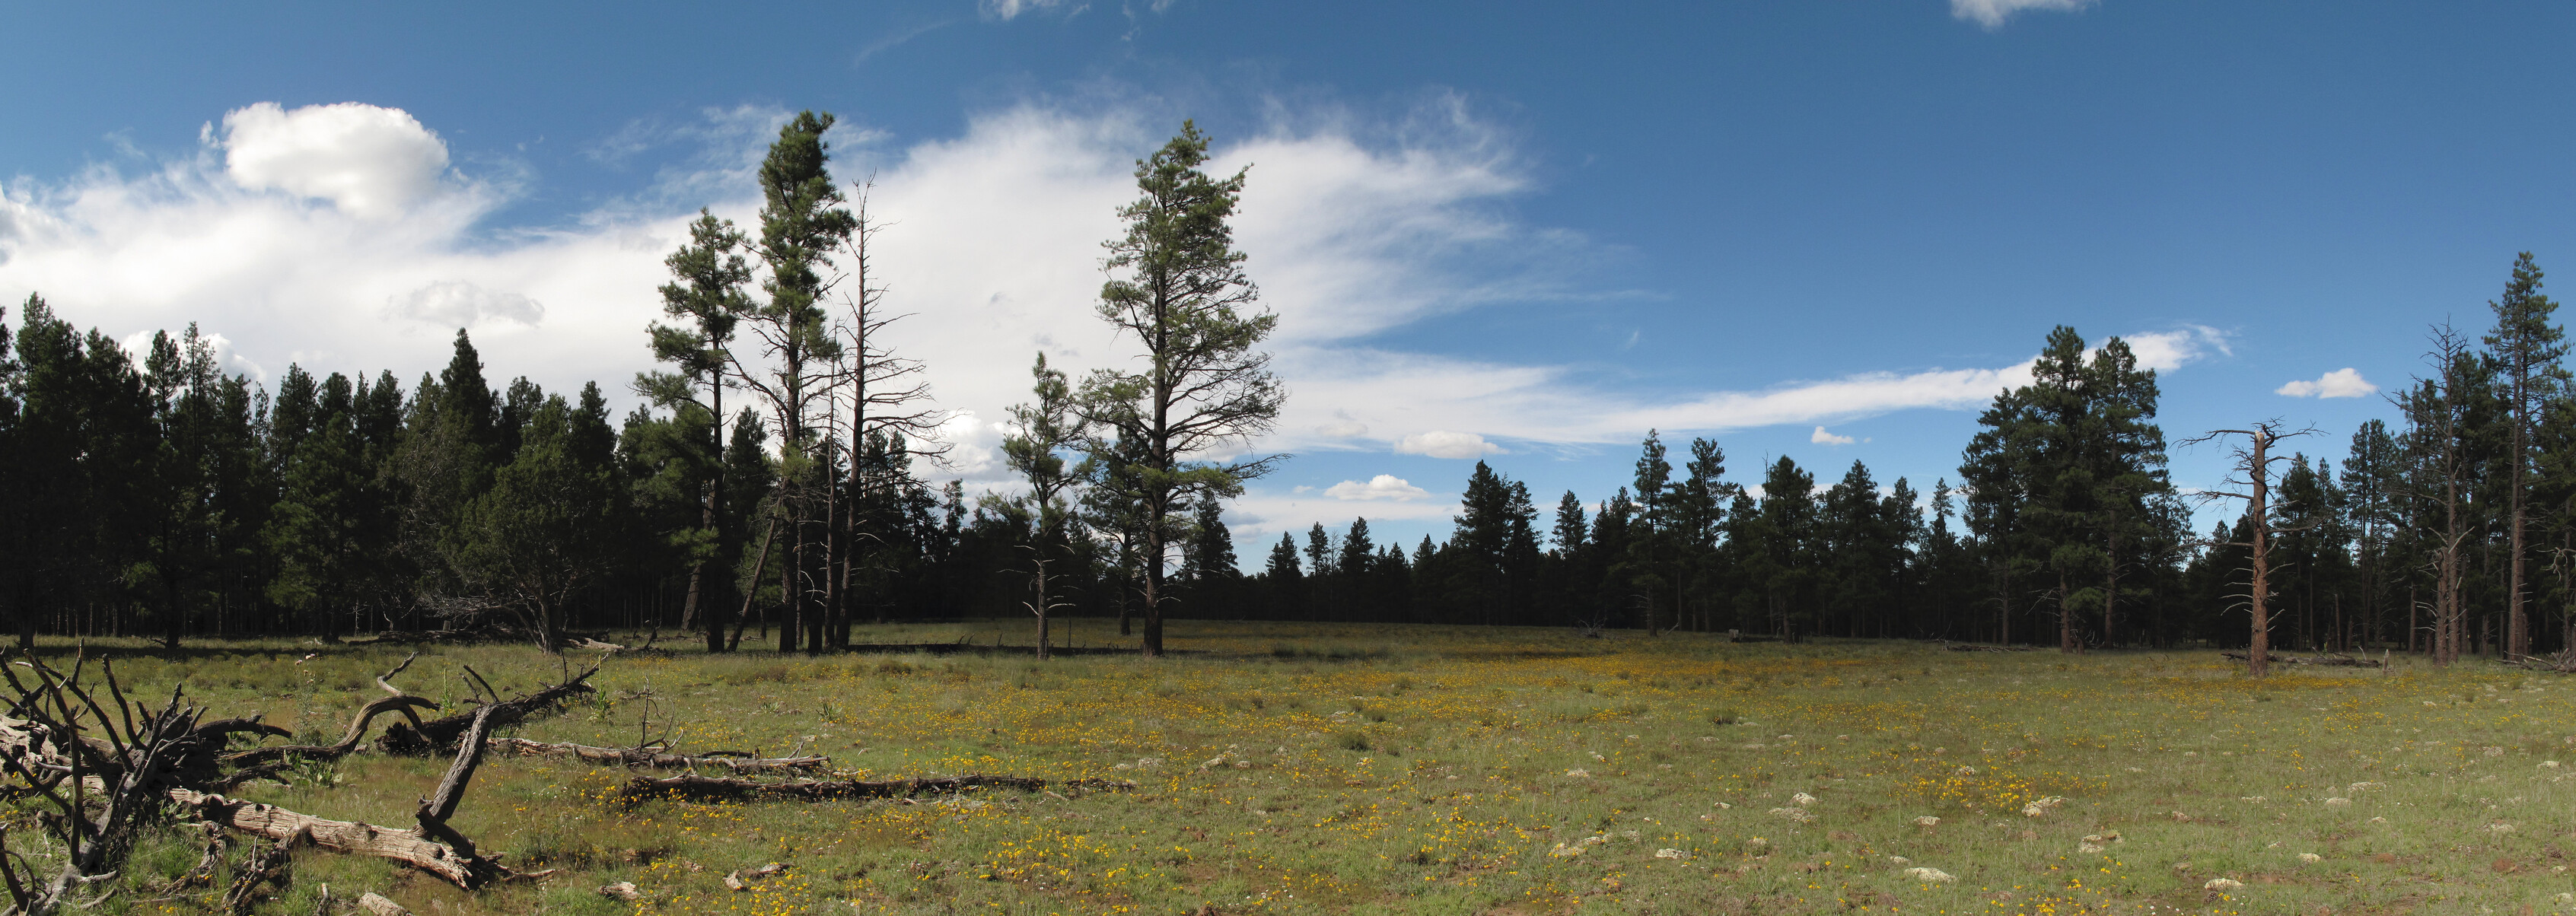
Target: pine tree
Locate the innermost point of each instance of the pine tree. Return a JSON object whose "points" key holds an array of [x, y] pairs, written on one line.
{"points": [[706, 293], [1178, 286], [801, 223], [544, 532], [2527, 347], [1046, 429]]}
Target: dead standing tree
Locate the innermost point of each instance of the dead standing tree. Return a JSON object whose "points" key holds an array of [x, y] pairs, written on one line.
{"points": [[882, 393], [2254, 460], [2437, 478]]}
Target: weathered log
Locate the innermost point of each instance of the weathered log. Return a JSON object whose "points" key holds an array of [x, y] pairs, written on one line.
{"points": [[441, 804], [406, 846], [2560, 662], [694, 786], [649, 757], [442, 733], [2329, 661]]}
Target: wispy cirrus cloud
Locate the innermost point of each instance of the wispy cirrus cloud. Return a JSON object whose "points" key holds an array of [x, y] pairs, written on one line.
{"points": [[1992, 13]]}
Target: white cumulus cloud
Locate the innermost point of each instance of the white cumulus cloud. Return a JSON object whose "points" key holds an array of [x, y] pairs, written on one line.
{"points": [[459, 304], [2341, 383], [1992, 13], [1821, 437], [1445, 444], [1380, 487], [371, 162]]}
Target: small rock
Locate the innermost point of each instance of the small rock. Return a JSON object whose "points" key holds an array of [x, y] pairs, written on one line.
{"points": [[378, 905], [1930, 875], [2222, 884], [623, 890]]}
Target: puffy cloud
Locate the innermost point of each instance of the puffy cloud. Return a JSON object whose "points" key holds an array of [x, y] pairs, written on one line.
{"points": [[1821, 437], [1444, 444], [459, 304], [2341, 383], [1992, 13], [2165, 351], [371, 162], [1380, 487]]}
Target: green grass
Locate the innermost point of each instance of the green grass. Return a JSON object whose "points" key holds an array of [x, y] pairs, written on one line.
{"points": [[1363, 769]]}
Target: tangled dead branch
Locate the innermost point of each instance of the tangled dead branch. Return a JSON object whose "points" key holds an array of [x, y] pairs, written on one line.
{"points": [[443, 733], [2562, 661], [107, 766]]}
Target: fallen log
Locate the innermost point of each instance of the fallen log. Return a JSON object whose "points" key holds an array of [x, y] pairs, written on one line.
{"points": [[410, 847], [2560, 662], [2328, 661], [716, 788], [1972, 647], [650, 757]]}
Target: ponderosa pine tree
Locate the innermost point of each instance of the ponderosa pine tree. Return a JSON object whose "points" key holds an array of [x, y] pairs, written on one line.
{"points": [[802, 223], [1046, 429], [1179, 288], [706, 294], [2527, 346], [547, 528], [16, 582], [2372, 478]]}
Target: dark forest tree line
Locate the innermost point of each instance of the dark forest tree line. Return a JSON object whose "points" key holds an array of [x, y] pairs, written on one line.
{"points": [[773, 486]]}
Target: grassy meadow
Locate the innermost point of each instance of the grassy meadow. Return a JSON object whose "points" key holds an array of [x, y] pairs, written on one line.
{"points": [[1288, 768]]}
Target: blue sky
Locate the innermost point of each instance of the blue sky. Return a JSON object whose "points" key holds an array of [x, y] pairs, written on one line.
{"points": [[1522, 231]]}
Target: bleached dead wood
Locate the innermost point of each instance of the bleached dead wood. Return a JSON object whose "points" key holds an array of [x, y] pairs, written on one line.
{"points": [[409, 847]]}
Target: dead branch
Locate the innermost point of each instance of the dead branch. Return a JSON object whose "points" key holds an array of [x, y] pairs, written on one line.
{"points": [[2562, 662], [1972, 647], [264, 867], [2329, 660], [710, 788], [348, 741], [650, 757], [442, 733]]}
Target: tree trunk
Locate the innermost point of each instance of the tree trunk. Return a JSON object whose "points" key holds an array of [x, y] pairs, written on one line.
{"points": [[2111, 591], [2065, 615], [2258, 591], [1153, 645]]}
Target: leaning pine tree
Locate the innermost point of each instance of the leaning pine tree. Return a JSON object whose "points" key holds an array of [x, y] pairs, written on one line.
{"points": [[1177, 284]]}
